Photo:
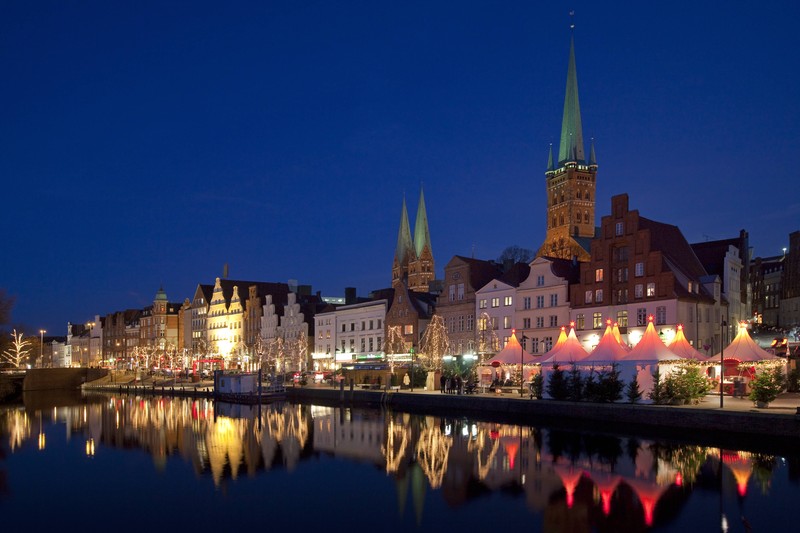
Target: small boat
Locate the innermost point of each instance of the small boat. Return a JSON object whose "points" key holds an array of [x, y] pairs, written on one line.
{"points": [[245, 387]]}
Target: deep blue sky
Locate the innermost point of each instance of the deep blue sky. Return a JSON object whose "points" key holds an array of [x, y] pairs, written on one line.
{"points": [[150, 143]]}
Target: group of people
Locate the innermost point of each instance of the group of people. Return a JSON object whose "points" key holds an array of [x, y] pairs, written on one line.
{"points": [[455, 385]]}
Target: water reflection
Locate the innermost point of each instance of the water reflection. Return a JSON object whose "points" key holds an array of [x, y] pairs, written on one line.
{"points": [[572, 480]]}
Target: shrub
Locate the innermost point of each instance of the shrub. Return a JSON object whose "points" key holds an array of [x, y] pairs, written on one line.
{"points": [[574, 385], [591, 387], [537, 385], [632, 392], [609, 385], [557, 384], [766, 386], [793, 381], [657, 395]]}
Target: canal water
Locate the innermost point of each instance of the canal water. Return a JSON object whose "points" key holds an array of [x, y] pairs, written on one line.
{"points": [[142, 463]]}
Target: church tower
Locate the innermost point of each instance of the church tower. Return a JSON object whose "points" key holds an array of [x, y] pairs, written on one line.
{"points": [[570, 182], [413, 259], [421, 268]]}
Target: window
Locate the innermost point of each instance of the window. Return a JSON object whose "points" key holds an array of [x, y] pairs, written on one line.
{"points": [[379, 324], [619, 229], [539, 302], [622, 274], [622, 319], [352, 326], [378, 343], [495, 302], [342, 345], [641, 316], [588, 298], [460, 291], [580, 321], [408, 329], [598, 275], [661, 315], [638, 290], [508, 300], [598, 295], [539, 321], [493, 321], [371, 344], [526, 323], [651, 289], [470, 322], [548, 344], [343, 328], [554, 300], [691, 314], [539, 281], [534, 344], [553, 321], [482, 304], [690, 286], [363, 325], [371, 324], [639, 272], [452, 293], [526, 302], [460, 322], [597, 320], [622, 296], [506, 322]]}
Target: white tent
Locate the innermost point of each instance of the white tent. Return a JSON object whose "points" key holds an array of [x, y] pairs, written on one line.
{"points": [[744, 349], [680, 346], [568, 352], [609, 350], [643, 360], [512, 354]]}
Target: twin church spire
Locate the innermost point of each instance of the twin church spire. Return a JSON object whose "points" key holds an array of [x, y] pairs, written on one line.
{"points": [[413, 259]]}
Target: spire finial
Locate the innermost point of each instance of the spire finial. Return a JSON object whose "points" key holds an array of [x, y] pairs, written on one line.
{"points": [[572, 19]]}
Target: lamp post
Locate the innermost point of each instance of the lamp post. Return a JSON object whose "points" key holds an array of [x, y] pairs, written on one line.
{"points": [[41, 346], [723, 328], [89, 326], [411, 380]]}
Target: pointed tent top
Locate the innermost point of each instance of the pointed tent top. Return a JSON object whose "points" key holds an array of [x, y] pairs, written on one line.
{"points": [[550, 159], [680, 346], [404, 245], [608, 350], [570, 351], [422, 236], [651, 348], [571, 147], [744, 349]]}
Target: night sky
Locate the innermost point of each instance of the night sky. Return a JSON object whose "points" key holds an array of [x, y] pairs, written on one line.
{"points": [[149, 143]]}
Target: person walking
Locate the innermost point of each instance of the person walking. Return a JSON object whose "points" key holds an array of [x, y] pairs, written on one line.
{"points": [[442, 383]]}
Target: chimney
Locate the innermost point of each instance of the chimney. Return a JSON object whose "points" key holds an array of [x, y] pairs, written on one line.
{"points": [[225, 271], [349, 295]]}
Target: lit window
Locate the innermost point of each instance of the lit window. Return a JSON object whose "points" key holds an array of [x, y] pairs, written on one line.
{"points": [[508, 300], [641, 316], [482, 304], [597, 320], [495, 302], [619, 229], [506, 322], [580, 321], [598, 275], [651, 289]]}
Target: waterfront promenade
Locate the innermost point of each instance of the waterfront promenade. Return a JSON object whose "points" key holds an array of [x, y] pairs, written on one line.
{"points": [[738, 418]]}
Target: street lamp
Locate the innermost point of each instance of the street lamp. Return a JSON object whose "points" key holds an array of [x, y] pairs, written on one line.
{"points": [[723, 328], [90, 327], [41, 346], [412, 368]]}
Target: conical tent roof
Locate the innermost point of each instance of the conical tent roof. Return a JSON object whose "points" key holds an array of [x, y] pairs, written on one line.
{"points": [[650, 348], [619, 337], [744, 349], [570, 351], [512, 353], [680, 346], [608, 350]]}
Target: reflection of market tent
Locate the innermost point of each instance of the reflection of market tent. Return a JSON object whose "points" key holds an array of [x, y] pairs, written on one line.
{"points": [[607, 351], [740, 468], [648, 493], [511, 354], [511, 447], [680, 346], [570, 351], [606, 483], [570, 477]]}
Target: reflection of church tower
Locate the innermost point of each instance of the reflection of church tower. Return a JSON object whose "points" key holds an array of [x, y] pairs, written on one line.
{"points": [[570, 182], [413, 260]]}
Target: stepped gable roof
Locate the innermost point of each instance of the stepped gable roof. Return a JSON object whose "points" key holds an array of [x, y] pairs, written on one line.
{"points": [[424, 303], [565, 268], [680, 346], [678, 255], [608, 350], [651, 348], [481, 271], [744, 349], [570, 351], [511, 354]]}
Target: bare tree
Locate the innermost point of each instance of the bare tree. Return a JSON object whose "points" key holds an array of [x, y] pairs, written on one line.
{"points": [[434, 345], [516, 254], [20, 349], [395, 344], [488, 341]]}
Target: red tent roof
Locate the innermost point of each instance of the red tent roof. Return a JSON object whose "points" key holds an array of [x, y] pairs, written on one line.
{"points": [[512, 353], [681, 347], [570, 351], [744, 349], [650, 348], [608, 350]]}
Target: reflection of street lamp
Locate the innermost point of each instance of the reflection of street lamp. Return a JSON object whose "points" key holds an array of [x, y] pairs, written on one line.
{"points": [[411, 351], [41, 346]]}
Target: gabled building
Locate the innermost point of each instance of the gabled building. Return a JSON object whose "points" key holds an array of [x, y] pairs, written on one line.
{"points": [[570, 181], [542, 302], [496, 304], [118, 345], [158, 323], [640, 267], [730, 260], [409, 314], [413, 259]]}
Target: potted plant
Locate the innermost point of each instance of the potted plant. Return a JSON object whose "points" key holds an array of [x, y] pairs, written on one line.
{"points": [[766, 386]]}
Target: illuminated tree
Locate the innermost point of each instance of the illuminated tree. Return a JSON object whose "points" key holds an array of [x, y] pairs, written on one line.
{"points": [[487, 338], [298, 351], [275, 355], [20, 349], [434, 345], [395, 344]]}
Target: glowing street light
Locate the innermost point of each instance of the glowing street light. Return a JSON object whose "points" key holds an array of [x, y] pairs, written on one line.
{"points": [[41, 346]]}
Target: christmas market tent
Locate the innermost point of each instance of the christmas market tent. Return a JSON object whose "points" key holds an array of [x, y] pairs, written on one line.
{"points": [[743, 349], [568, 352], [607, 351], [512, 355], [680, 346], [647, 356]]}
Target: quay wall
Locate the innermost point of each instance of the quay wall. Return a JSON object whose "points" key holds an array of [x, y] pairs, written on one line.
{"points": [[693, 421], [44, 379]]}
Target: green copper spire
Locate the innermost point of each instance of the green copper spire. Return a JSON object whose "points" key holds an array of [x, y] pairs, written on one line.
{"points": [[421, 234], [404, 245], [571, 147]]}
